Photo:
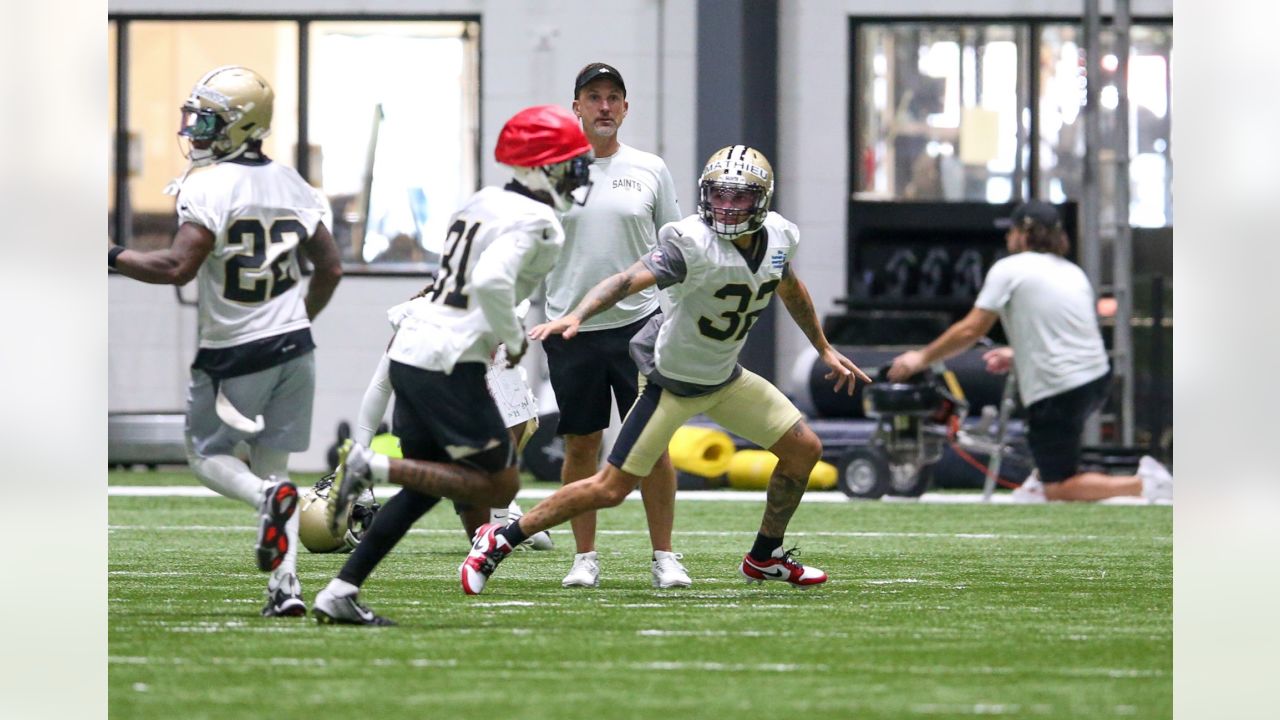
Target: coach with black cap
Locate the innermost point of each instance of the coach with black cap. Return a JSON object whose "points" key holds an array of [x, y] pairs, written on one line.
{"points": [[631, 197], [1047, 308]]}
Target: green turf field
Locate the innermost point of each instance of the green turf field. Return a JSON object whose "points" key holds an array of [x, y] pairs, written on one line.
{"points": [[931, 611]]}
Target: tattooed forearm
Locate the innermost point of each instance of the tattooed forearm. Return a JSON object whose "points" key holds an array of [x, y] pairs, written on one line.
{"points": [[795, 296], [442, 480], [781, 501], [605, 295]]}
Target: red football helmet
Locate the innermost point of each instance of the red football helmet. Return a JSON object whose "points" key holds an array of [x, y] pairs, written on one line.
{"points": [[540, 135], [549, 153]]}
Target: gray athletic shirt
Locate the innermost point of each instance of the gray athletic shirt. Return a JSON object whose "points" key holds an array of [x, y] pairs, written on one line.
{"points": [[631, 197], [1046, 305]]}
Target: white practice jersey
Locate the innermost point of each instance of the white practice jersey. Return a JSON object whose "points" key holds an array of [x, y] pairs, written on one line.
{"points": [[500, 246], [250, 285], [721, 295], [632, 195]]}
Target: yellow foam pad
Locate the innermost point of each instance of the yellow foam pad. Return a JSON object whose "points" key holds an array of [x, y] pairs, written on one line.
{"points": [[701, 451], [751, 469], [386, 444]]}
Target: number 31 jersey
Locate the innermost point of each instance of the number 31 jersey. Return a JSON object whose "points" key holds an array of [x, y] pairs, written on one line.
{"points": [[500, 245], [717, 292], [258, 213]]}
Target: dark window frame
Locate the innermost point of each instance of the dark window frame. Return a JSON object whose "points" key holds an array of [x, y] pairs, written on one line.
{"points": [[1034, 24], [301, 160]]}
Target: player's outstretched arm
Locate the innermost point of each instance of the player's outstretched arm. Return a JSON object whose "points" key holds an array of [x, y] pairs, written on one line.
{"points": [[175, 265], [600, 298], [326, 271], [954, 340], [795, 296]]}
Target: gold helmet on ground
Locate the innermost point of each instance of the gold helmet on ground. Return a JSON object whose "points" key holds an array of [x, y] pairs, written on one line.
{"points": [[229, 108], [735, 170], [313, 526]]}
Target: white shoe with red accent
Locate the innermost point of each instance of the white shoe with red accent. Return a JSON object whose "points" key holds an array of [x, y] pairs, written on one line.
{"points": [[781, 566], [487, 551]]}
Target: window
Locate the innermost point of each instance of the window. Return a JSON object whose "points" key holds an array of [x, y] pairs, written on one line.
{"points": [[165, 59], [943, 112], [393, 145], [938, 112], [1062, 84], [394, 150]]}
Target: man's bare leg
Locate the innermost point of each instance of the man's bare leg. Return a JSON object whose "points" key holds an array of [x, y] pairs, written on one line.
{"points": [[1089, 486], [658, 490], [607, 488], [798, 451], [582, 461]]}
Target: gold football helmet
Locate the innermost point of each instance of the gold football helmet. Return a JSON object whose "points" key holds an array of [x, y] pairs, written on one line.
{"points": [[732, 172], [313, 526], [229, 108]]}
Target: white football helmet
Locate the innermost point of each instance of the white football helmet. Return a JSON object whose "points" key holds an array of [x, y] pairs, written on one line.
{"points": [[313, 527], [229, 108], [732, 171]]}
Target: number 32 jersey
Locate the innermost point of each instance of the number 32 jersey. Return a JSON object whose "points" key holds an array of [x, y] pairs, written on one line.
{"points": [[258, 212], [718, 291], [500, 246]]}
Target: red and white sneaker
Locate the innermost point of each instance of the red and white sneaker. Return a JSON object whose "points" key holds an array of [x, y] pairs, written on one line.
{"points": [[487, 551], [781, 567]]}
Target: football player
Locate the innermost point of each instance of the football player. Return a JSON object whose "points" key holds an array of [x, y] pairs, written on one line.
{"points": [[500, 245], [722, 265], [510, 391], [243, 218]]}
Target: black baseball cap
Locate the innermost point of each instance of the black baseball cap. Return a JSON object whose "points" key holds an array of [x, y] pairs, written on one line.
{"points": [[595, 71], [1036, 211]]}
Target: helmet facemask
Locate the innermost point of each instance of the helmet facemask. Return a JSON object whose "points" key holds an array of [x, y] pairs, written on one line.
{"points": [[735, 190], [733, 209], [560, 182]]}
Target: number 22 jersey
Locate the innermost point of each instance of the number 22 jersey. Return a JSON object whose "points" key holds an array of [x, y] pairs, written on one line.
{"points": [[259, 213]]}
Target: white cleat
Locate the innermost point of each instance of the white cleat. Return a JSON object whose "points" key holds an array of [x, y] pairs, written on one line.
{"points": [[540, 540], [668, 572], [1157, 481], [585, 572], [352, 478], [1031, 490]]}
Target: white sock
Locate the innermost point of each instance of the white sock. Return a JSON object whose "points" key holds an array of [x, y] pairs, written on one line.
{"points": [[228, 476], [279, 575], [341, 588], [289, 564], [380, 468]]}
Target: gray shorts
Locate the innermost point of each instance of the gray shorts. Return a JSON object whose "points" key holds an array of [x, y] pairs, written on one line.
{"points": [[282, 395]]}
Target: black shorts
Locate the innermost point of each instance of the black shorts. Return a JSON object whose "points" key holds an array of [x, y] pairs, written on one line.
{"points": [[435, 412], [586, 370], [1055, 426]]}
